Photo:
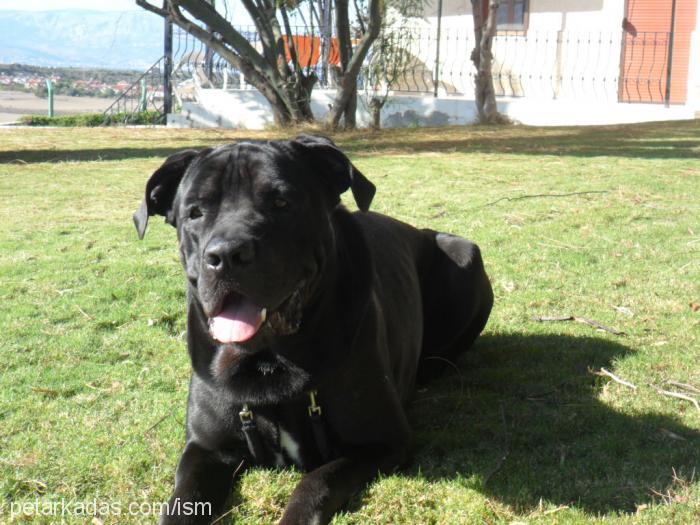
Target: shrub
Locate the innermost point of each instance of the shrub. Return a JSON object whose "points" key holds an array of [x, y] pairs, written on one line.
{"points": [[94, 119]]}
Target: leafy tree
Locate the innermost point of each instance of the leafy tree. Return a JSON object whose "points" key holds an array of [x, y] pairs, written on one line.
{"points": [[276, 70], [482, 56], [392, 57]]}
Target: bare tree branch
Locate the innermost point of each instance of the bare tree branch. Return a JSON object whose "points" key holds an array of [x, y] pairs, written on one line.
{"points": [[358, 14], [275, 69], [677, 395], [482, 56], [351, 70], [153, 9], [255, 76], [608, 373]]}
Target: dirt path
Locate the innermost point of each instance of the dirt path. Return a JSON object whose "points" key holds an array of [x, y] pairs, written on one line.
{"points": [[14, 104]]}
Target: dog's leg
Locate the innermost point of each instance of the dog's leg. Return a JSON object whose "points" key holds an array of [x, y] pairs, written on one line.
{"points": [[203, 484], [457, 301], [324, 491]]}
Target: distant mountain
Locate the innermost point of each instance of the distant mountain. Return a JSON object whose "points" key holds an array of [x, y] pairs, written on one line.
{"points": [[81, 38]]}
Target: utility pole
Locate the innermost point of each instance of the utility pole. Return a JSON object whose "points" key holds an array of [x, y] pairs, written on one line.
{"points": [[669, 60], [436, 80], [209, 54], [326, 30], [168, 65], [49, 94]]}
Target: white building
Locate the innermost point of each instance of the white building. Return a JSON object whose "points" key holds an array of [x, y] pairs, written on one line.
{"points": [[571, 61], [556, 62]]}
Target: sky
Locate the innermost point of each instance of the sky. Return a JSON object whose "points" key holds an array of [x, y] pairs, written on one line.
{"points": [[50, 5], [101, 5]]}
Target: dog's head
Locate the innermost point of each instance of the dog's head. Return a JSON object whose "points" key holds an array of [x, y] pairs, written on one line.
{"points": [[253, 224]]}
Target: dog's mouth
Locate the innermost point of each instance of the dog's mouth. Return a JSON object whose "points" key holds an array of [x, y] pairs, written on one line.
{"points": [[240, 318]]}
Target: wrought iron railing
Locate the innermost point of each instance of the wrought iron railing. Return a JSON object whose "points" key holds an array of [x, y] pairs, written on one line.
{"points": [[547, 64], [145, 94], [644, 68], [574, 65], [195, 65], [601, 66]]}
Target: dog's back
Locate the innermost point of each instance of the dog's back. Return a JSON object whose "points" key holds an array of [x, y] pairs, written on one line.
{"points": [[447, 273]]}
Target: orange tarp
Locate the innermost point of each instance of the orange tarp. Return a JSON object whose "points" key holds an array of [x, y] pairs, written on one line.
{"points": [[309, 50]]}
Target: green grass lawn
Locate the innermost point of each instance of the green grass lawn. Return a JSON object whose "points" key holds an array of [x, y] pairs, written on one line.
{"points": [[599, 223]]}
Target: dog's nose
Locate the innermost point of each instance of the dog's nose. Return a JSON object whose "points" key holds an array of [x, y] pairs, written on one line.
{"points": [[228, 254]]}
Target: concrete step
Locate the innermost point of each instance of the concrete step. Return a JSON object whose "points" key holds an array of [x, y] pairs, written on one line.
{"points": [[202, 117], [194, 115], [178, 120], [218, 108]]}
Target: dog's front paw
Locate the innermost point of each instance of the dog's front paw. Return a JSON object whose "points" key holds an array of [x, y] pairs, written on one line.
{"points": [[302, 517]]}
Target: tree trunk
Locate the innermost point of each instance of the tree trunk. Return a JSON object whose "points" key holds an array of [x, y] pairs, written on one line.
{"points": [[345, 102], [326, 31], [482, 56], [287, 90], [350, 114], [375, 106]]}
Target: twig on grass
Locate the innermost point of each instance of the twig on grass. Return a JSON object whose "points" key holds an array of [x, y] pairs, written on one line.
{"points": [[540, 510], [86, 315], [459, 400], [555, 319], [559, 245], [677, 395], [506, 449], [607, 373], [599, 326], [229, 511], [537, 196], [683, 386], [154, 425], [584, 320], [46, 391], [671, 435]]}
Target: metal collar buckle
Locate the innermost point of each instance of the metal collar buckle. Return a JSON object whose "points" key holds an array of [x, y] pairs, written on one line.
{"points": [[314, 409], [245, 414]]}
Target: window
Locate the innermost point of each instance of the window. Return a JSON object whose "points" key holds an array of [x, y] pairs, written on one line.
{"points": [[512, 15]]}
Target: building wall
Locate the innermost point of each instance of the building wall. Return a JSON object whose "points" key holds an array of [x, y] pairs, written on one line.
{"points": [[554, 15], [655, 16], [248, 109], [694, 69], [573, 49], [570, 50]]}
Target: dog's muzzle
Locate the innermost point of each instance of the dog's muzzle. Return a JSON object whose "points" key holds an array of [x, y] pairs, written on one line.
{"points": [[240, 319]]}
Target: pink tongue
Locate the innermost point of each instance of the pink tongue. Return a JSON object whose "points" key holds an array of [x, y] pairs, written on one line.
{"points": [[237, 322]]}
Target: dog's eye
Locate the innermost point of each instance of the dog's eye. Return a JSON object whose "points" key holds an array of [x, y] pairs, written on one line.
{"points": [[194, 213], [280, 203]]}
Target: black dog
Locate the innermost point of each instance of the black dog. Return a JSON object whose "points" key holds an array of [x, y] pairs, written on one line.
{"points": [[307, 324]]}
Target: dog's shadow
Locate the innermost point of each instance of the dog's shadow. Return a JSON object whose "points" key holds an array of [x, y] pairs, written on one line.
{"points": [[526, 422]]}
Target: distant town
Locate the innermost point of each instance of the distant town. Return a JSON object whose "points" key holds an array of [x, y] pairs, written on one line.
{"points": [[75, 82]]}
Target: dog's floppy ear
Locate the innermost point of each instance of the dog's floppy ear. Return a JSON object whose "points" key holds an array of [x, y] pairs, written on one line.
{"points": [[161, 188], [340, 172]]}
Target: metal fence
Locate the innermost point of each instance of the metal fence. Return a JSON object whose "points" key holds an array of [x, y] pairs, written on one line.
{"points": [[195, 65], [145, 94], [601, 66], [645, 75]]}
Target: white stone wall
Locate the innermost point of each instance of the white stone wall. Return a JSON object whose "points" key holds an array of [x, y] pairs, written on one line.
{"points": [[248, 109], [694, 66], [571, 50], [557, 15], [563, 71]]}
